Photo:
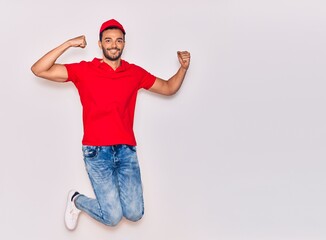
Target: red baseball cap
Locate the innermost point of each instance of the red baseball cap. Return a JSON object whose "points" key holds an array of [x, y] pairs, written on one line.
{"points": [[112, 23]]}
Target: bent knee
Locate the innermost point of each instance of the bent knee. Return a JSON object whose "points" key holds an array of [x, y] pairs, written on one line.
{"points": [[134, 216], [112, 219], [112, 222]]}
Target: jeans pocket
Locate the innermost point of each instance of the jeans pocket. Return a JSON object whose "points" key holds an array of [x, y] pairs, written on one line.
{"points": [[132, 148], [90, 151]]}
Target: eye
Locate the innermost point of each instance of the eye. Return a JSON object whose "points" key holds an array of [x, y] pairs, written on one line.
{"points": [[120, 41]]}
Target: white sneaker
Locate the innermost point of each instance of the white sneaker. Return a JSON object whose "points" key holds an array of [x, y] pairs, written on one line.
{"points": [[72, 212]]}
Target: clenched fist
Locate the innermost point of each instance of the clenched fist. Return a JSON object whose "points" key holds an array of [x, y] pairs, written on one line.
{"points": [[184, 59], [78, 42]]}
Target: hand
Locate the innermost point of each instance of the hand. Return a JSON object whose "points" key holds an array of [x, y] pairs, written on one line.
{"points": [[184, 59], [78, 42]]}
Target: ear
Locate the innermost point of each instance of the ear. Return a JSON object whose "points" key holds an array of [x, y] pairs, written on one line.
{"points": [[100, 44]]}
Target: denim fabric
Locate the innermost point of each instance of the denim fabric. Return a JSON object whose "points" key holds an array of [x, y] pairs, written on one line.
{"points": [[115, 176]]}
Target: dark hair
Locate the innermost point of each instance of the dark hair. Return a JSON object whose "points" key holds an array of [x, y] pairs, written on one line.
{"points": [[101, 33]]}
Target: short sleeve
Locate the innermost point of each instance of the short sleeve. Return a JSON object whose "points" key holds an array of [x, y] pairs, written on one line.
{"points": [[72, 70], [147, 79]]}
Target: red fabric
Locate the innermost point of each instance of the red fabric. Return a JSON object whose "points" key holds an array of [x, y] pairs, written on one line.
{"points": [[108, 98], [112, 23]]}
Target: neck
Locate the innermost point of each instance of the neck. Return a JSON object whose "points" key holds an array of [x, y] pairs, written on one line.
{"points": [[114, 64]]}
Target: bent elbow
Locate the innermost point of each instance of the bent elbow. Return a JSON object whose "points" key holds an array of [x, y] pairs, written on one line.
{"points": [[172, 91], [35, 72], [167, 92]]}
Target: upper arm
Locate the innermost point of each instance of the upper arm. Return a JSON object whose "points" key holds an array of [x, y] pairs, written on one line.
{"points": [[160, 86], [58, 73]]}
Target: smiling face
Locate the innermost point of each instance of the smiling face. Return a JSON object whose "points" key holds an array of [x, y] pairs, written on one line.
{"points": [[112, 44]]}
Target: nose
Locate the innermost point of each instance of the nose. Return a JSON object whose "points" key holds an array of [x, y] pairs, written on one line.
{"points": [[114, 44]]}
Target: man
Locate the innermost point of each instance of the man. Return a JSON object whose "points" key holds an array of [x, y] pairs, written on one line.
{"points": [[108, 89]]}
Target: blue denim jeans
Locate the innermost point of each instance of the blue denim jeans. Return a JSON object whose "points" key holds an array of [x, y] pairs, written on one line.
{"points": [[115, 176]]}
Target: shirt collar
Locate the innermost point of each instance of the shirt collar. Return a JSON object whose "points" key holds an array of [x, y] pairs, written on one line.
{"points": [[102, 65]]}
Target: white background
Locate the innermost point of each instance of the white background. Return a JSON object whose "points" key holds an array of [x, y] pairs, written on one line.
{"points": [[238, 153]]}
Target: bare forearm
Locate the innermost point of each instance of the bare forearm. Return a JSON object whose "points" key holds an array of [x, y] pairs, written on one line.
{"points": [[175, 82], [48, 60], [46, 67], [172, 85]]}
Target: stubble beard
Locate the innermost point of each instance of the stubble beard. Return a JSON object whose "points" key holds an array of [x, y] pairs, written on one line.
{"points": [[115, 58]]}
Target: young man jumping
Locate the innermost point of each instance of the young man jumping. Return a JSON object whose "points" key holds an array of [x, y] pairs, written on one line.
{"points": [[108, 90]]}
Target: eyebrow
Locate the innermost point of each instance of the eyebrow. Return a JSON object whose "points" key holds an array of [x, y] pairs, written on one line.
{"points": [[111, 38]]}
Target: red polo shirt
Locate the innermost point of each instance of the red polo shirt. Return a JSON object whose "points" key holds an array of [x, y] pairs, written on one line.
{"points": [[108, 98]]}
